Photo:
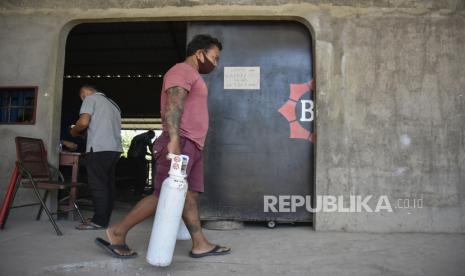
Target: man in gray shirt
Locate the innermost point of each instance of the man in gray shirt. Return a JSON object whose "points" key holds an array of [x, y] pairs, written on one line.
{"points": [[101, 117]]}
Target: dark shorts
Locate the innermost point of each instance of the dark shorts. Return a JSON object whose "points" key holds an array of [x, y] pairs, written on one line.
{"points": [[162, 164]]}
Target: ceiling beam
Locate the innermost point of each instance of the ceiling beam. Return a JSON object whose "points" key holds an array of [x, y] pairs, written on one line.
{"points": [[119, 49], [113, 32]]}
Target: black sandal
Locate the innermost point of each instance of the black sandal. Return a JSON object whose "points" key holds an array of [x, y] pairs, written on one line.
{"points": [[111, 248], [213, 252], [89, 226]]}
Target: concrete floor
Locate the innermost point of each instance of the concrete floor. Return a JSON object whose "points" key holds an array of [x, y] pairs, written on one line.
{"points": [[29, 247]]}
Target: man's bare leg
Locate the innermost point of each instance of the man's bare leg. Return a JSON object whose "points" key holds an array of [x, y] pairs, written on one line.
{"points": [[144, 209], [191, 218]]}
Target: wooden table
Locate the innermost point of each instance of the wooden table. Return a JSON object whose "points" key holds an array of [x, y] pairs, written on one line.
{"points": [[71, 159]]}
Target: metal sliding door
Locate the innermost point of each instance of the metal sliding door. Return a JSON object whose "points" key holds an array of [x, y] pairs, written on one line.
{"points": [[260, 140]]}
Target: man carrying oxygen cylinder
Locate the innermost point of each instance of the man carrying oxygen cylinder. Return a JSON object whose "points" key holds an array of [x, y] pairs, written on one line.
{"points": [[184, 115]]}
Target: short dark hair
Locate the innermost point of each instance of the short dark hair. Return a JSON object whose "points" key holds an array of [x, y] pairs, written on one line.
{"points": [[89, 86], [202, 42], [151, 133]]}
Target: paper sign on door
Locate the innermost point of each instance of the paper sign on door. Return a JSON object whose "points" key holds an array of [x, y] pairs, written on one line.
{"points": [[242, 78]]}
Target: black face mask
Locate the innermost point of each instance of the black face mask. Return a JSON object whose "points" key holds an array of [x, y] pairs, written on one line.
{"points": [[207, 66]]}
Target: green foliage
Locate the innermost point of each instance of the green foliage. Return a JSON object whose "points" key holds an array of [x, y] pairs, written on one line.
{"points": [[126, 138]]}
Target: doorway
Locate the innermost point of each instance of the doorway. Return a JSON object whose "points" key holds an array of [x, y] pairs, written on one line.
{"points": [[126, 61], [261, 105]]}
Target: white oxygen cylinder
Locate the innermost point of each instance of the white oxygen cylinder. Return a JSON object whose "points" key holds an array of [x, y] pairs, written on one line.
{"points": [[183, 232], [168, 214]]}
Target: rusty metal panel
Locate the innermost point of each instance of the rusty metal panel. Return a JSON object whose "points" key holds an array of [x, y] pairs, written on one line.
{"points": [[260, 141]]}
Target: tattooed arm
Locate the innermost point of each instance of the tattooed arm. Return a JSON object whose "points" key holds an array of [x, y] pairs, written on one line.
{"points": [[173, 114]]}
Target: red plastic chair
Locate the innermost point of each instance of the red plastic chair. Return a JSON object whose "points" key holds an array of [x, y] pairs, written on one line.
{"points": [[37, 174]]}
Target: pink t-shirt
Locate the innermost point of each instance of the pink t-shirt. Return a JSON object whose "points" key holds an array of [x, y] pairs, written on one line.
{"points": [[194, 120]]}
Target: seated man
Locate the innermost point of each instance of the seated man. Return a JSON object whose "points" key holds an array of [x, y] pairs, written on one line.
{"points": [[141, 145]]}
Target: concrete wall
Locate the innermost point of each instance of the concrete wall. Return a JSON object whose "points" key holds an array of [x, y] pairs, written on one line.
{"points": [[29, 50], [390, 93]]}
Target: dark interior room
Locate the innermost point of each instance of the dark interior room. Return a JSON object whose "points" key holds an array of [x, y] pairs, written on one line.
{"points": [[125, 61]]}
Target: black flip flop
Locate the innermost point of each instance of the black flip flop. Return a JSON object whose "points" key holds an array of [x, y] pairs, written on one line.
{"points": [[111, 248], [213, 252], [89, 226]]}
